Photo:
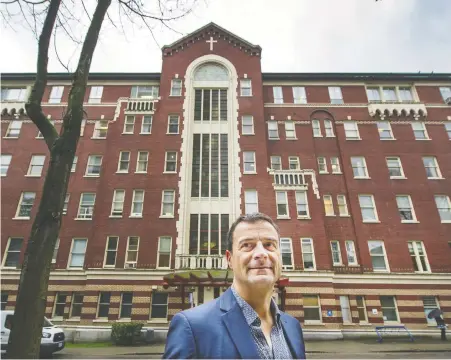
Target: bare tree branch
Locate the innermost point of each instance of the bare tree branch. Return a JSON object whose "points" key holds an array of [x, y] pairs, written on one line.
{"points": [[56, 50]]}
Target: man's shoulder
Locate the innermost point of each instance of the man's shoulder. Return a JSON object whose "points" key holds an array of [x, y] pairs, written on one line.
{"points": [[289, 318], [202, 312]]}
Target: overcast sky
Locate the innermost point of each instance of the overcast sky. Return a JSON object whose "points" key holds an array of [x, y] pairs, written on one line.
{"points": [[296, 36]]}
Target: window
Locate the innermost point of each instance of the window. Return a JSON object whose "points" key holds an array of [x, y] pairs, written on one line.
{"points": [[246, 87], [39, 135], [86, 208], [361, 309], [117, 207], [76, 306], [56, 94], [25, 205], [111, 251], [446, 93], [359, 167], [66, 203], [377, 253], [368, 208], [282, 204], [173, 124], [350, 252], [329, 128], [55, 251], [210, 105], [126, 305], [132, 250], [94, 165], [389, 309], [170, 162], [419, 131], [299, 95], [373, 95], [247, 125], [60, 304], [290, 131], [249, 162], [335, 95], [137, 203], [302, 204], [159, 308], [351, 130], [431, 167], [13, 94], [167, 204], [405, 208], [82, 127], [104, 305], [176, 87], [389, 94], [100, 129], [141, 161], [293, 163], [95, 96], [129, 125], [385, 131], [405, 94], [74, 164], [4, 300], [336, 252], [395, 169], [276, 162], [36, 165], [312, 309], [342, 205], [444, 207], [308, 255], [335, 165], [430, 303], [316, 128], [250, 201], [13, 130], [164, 252], [273, 130], [146, 125], [124, 161], [345, 309], [278, 95], [4, 162], [448, 129], [11, 258], [322, 166], [150, 92], [287, 253], [77, 254], [418, 256], [328, 205]]}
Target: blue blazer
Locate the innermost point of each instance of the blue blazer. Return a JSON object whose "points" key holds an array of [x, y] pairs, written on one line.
{"points": [[218, 330]]}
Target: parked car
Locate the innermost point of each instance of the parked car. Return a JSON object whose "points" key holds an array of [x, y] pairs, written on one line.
{"points": [[52, 339]]}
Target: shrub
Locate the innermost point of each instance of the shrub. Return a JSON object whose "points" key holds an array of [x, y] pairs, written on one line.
{"points": [[126, 333]]}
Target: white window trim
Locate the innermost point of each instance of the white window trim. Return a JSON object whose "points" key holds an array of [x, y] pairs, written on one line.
{"points": [[313, 255], [118, 171], [374, 207], [343, 196], [331, 128], [97, 127], [295, 160], [158, 253], [29, 166], [277, 129], [325, 165], [306, 204], [131, 124], [297, 100], [55, 251], [417, 256], [387, 265], [250, 87], [56, 100], [112, 204], [277, 100], [127, 251], [162, 205], [403, 176], [356, 262], [256, 199], [137, 162], [287, 216], [142, 125], [172, 87], [9, 163], [449, 206], [390, 129], [5, 253], [74, 164], [414, 215], [332, 203], [437, 167], [121, 318], [137, 215], [271, 162], [356, 129], [178, 124], [95, 100], [79, 207], [288, 240], [69, 267], [388, 322], [106, 251], [338, 164], [315, 322], [294, 130], [319, 134], [254, 161], [87, 167], [340, 263], [426, 133], [332, 99], [166, 160], [365, 166], [242, 125], [17, 217], [9, 129]]}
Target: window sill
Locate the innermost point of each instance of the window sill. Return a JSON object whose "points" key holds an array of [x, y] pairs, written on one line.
{"points": [[337, 173], [163, 268], [21, 218], [140, 172], [172, 133], [109, 266], [371, 221], [381, 271], [446, 221], [283, 218], [353, 265], [56, 318], [135, 216], [436, 178], [127, 133], [349, 324], [169, 172], [392, 139], [33, 176], [304, 218], [245, 95], [82, 219], [124, 320], [423, 139], [353, 139], [317, 136], [73, 320], [156, 321], [98, 138], [292, 139], [250, 173], [39, 138], [273, 138], [166, 216], [338, 265], [115, 216], [398, 178], [75, 268], [100, 320], [242, 134], [330, 136], [410, 222], [10, 137], [121, 172], [323, 172], [91, 176], [175, 96], [309, 269], [314, 322], [345, 216], [330, 215], [146, 133], [362, 178]]}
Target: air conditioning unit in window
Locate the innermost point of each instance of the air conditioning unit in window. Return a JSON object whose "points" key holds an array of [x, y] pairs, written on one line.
{"points": [[448, 100], [130, 265]]}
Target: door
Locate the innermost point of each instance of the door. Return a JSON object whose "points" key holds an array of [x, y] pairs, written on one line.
{"points": [[345, 310]]}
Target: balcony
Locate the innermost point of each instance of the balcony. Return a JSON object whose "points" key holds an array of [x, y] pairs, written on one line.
{"points": [[196, 262], [397, 109], [13, 108], [140, 106], [294, 179]]}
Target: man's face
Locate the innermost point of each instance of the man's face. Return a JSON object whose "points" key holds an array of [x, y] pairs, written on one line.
{"points": [[256, 259]]}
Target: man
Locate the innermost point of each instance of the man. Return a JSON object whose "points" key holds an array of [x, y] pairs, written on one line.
{"points": [[245, 321]]}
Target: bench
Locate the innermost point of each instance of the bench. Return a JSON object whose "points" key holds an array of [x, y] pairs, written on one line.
{"points": [[391, 328]]}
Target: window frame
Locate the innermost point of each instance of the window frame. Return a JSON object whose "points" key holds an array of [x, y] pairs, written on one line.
{"points": [[338, 251], [114, 201], [55, 251], [355, 130], [107, 304], [318, 307], [74, 164], [91, 174], [128, 251], [152, 304], [244, 89], [312, 253], [398, 159], [174, 87], [381, 130], [247, 203], [443, 90], [288, 241], [121, 316], [299, 99], [16, 126], [171, 117], [56, 98], [343, 203], [31, 165], [397, 321], [355, 262], [292, 131], [364, 167], [277, 93], [423, 129], [99, 129], [80, 206], [435, 166], [138, 162], [159, 252], [3, 164], [119, 171], [294, 160], [172, 214], [94, 97], [299, 203], [376, 220], [282, 216], [271, 123], [134, 214], [329, 128], [72, 303], [71, 254], [336, 165], [383, 255], [416, 255], [332, 92], [251, 125], [319, 160], [107, 250], [167, 162], [149, 124], [254, 162], [56, 303], [271, 162], [328, 205], [363, 306], [19, 206], [448, 209], [7, 252], [316, 128], [129, 124], [411, 208]]}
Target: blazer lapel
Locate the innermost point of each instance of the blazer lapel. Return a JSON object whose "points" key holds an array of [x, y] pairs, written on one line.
{"points": [[237, 327], [293, 336]]}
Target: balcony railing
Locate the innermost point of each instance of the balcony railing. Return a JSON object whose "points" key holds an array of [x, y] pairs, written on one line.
{"points": [[294, 179], [140, 106], [195, 262], [395, 109]]}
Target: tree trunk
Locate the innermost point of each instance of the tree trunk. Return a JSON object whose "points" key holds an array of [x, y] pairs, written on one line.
{"points": [[26, 332]]}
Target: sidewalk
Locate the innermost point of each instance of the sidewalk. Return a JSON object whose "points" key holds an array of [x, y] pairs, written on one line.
{"points": [[401, 345]]}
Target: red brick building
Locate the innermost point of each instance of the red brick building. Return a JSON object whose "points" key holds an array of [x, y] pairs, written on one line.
{"points": [[356, 168]]}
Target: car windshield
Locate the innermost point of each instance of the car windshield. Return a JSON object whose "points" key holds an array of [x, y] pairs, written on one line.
{"points": [[47, 323]]}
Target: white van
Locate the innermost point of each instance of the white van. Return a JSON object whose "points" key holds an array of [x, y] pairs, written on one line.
{"points": [[52, 339]]}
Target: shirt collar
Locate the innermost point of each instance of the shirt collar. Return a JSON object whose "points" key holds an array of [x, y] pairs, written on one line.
{"points": [[250, 314]]}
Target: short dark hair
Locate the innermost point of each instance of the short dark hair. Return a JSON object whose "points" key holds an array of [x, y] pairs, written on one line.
{"points": [[249, 218]]}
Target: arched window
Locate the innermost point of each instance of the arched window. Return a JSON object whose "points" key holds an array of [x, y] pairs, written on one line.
{"points": [[211, 72]]}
